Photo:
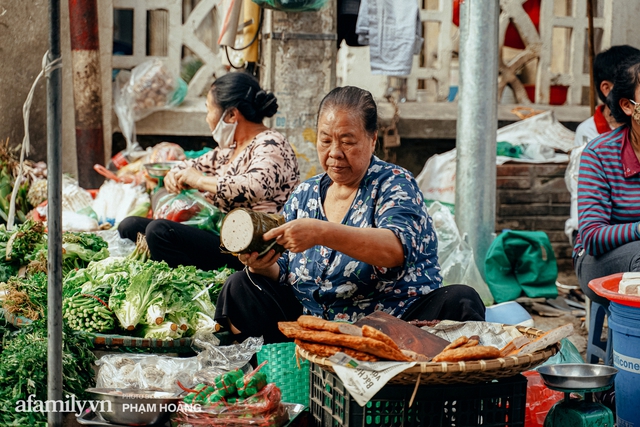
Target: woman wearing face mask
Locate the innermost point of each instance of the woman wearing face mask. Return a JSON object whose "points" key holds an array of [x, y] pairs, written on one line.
{"points": [[608, 239], [253, 167]]}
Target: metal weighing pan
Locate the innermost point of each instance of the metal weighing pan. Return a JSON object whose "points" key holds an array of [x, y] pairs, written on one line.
{"points": [[577, 376]]}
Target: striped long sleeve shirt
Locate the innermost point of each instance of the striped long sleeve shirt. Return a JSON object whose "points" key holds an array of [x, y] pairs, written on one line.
{"points": [[608, 194]]}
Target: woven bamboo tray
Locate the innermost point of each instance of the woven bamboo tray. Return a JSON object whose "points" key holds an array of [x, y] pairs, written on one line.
{"points": [[461, 372]]}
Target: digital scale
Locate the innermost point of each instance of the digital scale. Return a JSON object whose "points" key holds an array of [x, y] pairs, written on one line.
{"points": [[580, 378]]}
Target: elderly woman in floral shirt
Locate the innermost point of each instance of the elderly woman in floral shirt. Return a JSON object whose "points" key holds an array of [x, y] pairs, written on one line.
{"points": [[358, 239]]}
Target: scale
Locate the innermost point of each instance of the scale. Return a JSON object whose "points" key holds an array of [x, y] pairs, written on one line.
{"points": [[583, 379], [159, 171]]}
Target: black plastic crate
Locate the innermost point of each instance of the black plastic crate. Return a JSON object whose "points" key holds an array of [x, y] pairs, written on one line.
{"points": [[499, 403]]}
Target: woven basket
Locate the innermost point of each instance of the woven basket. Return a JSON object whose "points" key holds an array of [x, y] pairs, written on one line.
{"points": [[461, 372], [283, 369]]}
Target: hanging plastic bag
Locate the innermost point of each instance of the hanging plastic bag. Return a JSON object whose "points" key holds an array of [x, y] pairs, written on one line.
{"points": [[437, 180], [190, 208], [292, 5], [455, 256], [150, 87]]}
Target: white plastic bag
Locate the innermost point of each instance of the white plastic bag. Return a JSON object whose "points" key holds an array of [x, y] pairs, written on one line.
{"points": [[457, 262], [542, 129], [437, 181], [118, 247], [150, 87], [571, 180], [115, 201]]}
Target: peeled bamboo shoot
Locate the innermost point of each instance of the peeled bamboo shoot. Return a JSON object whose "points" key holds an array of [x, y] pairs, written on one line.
{"points": [[242, 230]]}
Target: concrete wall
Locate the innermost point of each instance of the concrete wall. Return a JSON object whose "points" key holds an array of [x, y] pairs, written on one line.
{"points": [[535, 197], [24, 39]]}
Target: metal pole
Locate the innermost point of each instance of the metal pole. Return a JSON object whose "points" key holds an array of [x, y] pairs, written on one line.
{"points": [[477, 125], [592, 55], [54, 216]]}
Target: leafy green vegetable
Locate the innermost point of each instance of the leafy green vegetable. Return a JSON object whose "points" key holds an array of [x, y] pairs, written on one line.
{"points": [[23, 243], [89, 311], [23, 371], [26, 297], [140, 293], [130, 304], [163, 331]]}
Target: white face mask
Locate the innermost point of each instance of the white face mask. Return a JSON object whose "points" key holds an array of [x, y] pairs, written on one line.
{"points": [[224, 132]]}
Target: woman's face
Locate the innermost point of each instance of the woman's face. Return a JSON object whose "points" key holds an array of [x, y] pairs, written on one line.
{"points": [[632, 110], [214, 112], [344, 147]]}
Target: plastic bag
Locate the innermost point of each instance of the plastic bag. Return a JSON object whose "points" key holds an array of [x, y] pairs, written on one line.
{"points": [[189, 207], [455, 256], [145, 371], [74, 197], [437, 181], [292, 5], [150, 87], [215, 360], [118, 247], [540, 399], [568, 354], [263, 409], [116, 201], [165, 152]]}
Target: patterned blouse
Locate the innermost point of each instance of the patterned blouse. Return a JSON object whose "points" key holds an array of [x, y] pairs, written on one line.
{"points": [[333, 285], [261, 178]]}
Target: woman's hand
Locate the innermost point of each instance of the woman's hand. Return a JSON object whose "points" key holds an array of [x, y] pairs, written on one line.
{"points": [[264, 265], [188, 178], [170, 182], [297, 235]]}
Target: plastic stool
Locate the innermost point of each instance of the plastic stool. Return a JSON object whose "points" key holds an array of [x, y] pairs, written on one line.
{"points": [[596, 348]]}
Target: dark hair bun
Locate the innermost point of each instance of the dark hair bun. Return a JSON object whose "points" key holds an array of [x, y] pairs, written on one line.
{"points": [[266, 103]]}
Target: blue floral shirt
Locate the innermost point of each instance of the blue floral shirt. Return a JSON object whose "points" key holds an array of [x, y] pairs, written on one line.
{"points": [[333, 285]]}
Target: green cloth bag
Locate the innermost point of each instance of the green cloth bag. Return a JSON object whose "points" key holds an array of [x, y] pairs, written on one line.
{"points": [[521, 261]]}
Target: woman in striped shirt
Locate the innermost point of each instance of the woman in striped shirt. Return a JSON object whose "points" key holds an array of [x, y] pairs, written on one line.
{"points": [[608, 239]]}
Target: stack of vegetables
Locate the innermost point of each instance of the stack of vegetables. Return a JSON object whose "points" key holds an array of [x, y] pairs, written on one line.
{"points": [[23, 371], [141, 298], [233, 399], [25, 249], [30, 193]]}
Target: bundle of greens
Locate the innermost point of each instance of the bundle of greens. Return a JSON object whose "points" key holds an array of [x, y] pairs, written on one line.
{"points": [[8, 172], [23, 371], [89, 311], [27, 246], [26, 297], [79, 249], [26, 242], [141, 252], [8, 268]]}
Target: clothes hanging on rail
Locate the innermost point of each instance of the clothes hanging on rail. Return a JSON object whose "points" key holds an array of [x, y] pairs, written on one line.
{"points": [[347, 18], [393, 31]]}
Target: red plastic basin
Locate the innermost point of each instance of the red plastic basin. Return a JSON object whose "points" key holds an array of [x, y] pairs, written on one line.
{"points": [[607, 287]]}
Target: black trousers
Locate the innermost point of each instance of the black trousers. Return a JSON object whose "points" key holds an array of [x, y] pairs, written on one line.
{"points": [[178, 244], [255, 304]]}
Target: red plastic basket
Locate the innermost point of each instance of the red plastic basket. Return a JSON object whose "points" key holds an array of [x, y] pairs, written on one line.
{"points": [[607, 287]]}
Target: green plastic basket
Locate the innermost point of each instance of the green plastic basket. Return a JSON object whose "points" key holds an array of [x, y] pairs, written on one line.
{"points": [[282, 369]]}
